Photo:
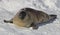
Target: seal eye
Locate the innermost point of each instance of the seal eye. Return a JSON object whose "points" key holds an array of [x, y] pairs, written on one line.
{"points": [[22, 15]]}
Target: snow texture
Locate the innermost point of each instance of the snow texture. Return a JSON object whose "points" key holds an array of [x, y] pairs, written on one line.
{"points": [[8, 8]]}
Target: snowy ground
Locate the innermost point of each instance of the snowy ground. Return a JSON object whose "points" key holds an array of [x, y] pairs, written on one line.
{"points": [[8, 8]]}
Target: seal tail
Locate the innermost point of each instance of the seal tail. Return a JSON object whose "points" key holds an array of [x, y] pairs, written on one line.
{"points": [[8, 21]]}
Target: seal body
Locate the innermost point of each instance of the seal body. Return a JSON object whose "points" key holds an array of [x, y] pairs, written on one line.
{"points": [[26, 22], [28, 17]]}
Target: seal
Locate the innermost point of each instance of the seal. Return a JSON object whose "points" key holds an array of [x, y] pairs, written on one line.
{"points": [[28, 17]]}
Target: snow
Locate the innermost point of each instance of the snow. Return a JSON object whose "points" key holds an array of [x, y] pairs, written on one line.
{"points": [[8, 8]]}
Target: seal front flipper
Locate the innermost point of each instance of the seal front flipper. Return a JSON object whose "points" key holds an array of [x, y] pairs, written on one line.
{"points": [[34, 26]]}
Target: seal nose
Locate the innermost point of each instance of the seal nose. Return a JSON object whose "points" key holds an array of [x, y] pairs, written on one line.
{"points": [[53, 16]]}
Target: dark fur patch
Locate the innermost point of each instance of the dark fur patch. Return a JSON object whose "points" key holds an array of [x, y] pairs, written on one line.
{"points": [[22, 15]]}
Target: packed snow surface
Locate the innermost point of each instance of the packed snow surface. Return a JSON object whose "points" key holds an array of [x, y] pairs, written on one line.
{"points": [[8, 8]]}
